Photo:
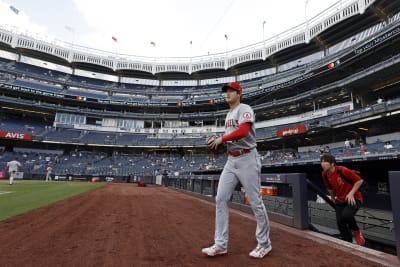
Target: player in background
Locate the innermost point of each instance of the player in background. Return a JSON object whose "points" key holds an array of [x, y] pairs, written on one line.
{"points": [[12, 167], [243, 165], [49, 170]]}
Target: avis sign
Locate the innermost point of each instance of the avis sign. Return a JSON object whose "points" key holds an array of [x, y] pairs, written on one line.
{"points": [[299, 129], [14, 135]]}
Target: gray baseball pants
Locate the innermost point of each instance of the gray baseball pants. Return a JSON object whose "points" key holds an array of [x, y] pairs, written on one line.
{"points": [[246, 169]]}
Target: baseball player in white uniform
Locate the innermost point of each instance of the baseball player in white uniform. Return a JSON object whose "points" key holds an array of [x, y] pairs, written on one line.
{"points": [[12, 168], [243, 165], [49, 169]]}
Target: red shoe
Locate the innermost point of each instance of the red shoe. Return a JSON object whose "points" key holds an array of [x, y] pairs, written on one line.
{"points": [[359, 238]]}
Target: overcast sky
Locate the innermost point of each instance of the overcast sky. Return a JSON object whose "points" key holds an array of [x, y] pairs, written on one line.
{"points": [[172, 28]]}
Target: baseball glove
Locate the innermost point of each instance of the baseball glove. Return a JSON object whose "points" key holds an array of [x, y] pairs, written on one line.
{"points": [[220, 149]]}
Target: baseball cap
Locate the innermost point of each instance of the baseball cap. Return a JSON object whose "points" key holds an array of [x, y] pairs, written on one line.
{"points": [[233, 85]]}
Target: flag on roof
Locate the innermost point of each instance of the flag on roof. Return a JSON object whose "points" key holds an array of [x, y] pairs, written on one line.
{"points": [[14, 9], [226, 37], [69, 28], [114, 38], [153, 44]]}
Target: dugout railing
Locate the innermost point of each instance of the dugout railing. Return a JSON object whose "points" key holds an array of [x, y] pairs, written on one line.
{"points": [[206, 185]]}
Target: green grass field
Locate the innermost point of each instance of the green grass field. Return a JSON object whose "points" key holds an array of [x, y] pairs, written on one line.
{"points": [[24, 196]]}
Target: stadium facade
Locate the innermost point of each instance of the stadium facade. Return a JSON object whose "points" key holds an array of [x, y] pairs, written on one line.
{"points": [[333, 78]]}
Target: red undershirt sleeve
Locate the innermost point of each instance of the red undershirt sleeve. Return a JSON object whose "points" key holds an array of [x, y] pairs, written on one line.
{"points": [[239, 133]]}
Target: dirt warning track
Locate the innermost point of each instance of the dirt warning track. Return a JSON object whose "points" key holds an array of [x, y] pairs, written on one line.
{"points": [[125, 225]]}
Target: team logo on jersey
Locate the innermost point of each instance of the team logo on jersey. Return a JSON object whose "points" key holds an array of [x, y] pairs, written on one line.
{"points": [[247, 115]]}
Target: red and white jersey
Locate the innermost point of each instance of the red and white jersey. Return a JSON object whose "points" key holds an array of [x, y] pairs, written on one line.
{"points": [[241, 114]]}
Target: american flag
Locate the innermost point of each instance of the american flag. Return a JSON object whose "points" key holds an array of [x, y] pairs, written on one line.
{"points": [[114, 38]]}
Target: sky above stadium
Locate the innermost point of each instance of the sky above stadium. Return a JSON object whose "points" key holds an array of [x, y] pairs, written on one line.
{"points": [[159, 28]]}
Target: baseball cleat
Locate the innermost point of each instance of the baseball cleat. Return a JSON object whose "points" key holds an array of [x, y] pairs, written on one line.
{"points": [[213, 251], [260, 252]]}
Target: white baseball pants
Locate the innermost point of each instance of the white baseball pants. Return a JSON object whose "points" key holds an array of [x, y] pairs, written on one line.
{"points": [[246, 169]]}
